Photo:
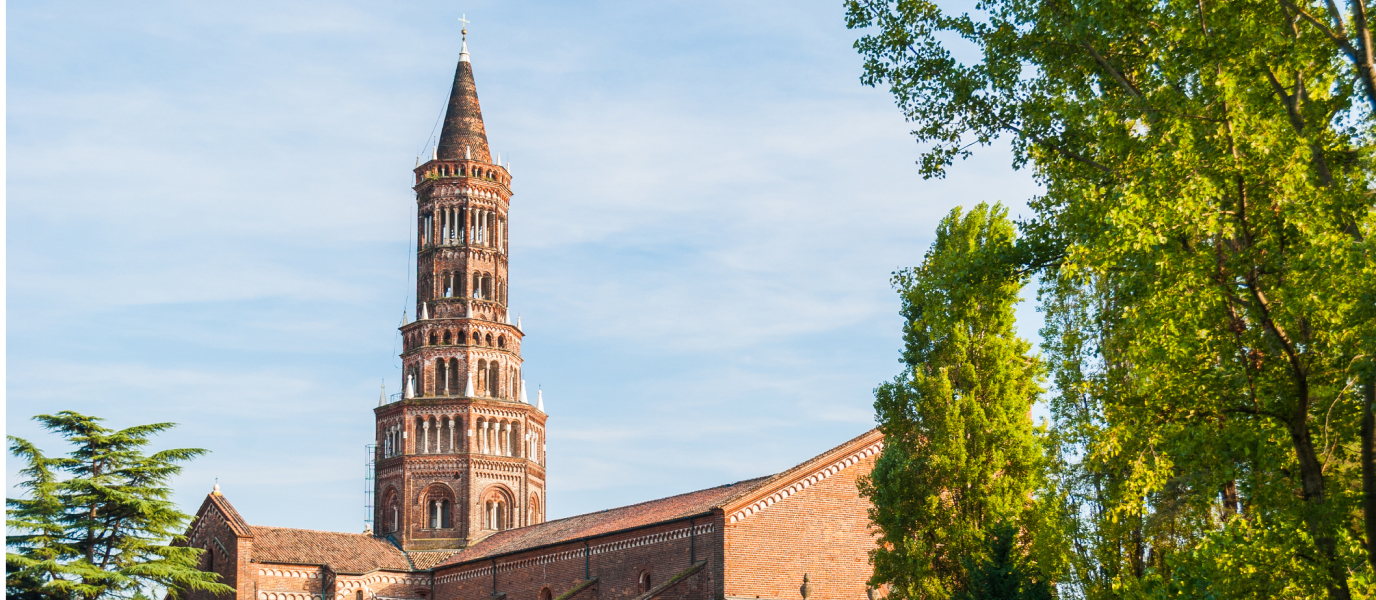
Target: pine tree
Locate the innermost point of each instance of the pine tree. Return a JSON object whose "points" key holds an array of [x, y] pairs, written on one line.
{"points": [[99, 523]]}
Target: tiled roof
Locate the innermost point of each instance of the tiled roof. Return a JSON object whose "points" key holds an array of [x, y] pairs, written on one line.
{"points": [[603, 522], [352, 553], [426, 559]]}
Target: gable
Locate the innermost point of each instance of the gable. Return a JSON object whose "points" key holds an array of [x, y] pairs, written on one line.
{"points": [[804, 476]]}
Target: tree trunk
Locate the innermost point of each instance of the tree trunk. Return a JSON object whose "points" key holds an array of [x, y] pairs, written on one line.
{"points": [[1318, 523]]}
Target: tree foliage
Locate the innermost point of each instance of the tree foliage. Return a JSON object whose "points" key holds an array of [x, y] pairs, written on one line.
{"points": [[960, 453], [1207, 279], [99, 523]]}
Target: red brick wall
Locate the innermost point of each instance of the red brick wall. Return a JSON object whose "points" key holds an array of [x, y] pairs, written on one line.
{"points": [[616, 560], [822, 530], [222, 552], [299, 582]]}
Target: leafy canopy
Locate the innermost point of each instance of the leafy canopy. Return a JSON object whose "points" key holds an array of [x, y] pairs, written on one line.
{"points": [[960, 452], [99, 523]]}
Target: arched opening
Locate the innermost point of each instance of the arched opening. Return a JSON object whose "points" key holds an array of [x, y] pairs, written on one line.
{"points": [[391, 512], [477, 338], [492, 375], [442, 382], [477, 285], [482, 375], [489, 339], [439, 505], [446, 338], [546, 594], [533, 510], [433, 339], [456, 386], [645, 582], [501, 341]]}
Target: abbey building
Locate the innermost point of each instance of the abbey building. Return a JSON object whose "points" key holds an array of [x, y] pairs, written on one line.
{"points": [[460, 490]]}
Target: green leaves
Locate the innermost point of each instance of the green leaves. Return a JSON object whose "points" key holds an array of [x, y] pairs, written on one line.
{"points": [[960, 452], [1202, 248], [100, 522]]}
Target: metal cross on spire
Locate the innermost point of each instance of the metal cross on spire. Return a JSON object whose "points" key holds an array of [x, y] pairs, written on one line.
{"points": [[465, 21]]}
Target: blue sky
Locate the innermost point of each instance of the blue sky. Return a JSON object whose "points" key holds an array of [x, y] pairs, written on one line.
{"points": [[209, 215]]}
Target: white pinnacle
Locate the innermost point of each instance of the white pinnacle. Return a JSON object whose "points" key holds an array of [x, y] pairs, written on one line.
{"points": [[424, 312], [518, 325], [215, 490], [524, 398], [382, 398], [410, 386], [540, 400], [468, 387]]}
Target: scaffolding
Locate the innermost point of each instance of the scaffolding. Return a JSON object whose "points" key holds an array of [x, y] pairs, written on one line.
{"points": [[369, 473]]}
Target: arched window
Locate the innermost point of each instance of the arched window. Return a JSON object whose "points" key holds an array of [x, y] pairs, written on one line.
{"points": [[489, 339], [501, 341], [546, 594], [442, 379], [433, 340], [477, 285], [645, 581], [446, 520], [446, 338], [492, 374], [477, 338], [209, 559], [358, 595], [391, 513]]}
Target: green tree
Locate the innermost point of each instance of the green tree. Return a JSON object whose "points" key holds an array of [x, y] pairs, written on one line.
{"points": [[960, 453], [1003, 574], [1202, 243], [99, 523]]}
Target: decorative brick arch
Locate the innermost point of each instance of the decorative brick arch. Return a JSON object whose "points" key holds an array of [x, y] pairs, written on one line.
{"points": [[497, 505]]}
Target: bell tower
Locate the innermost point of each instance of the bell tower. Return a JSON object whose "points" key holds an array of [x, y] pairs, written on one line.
{"points": [[461, 453]]}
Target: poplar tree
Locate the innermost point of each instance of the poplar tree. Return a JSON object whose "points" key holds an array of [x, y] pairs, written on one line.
{"points": [[960, 454], [99, 523]]}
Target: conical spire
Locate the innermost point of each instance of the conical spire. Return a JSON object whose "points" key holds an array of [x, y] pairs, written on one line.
{"points": [[468, 387], [524, 398], [463, 134], [540, 399]]}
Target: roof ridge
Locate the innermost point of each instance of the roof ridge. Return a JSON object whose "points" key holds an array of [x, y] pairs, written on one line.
{"points": [[312, 530], [605, 510]]}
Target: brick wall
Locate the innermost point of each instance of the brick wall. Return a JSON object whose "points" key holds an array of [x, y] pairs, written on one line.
{"points": [[223, 552], [617, 560], [822, 530]]}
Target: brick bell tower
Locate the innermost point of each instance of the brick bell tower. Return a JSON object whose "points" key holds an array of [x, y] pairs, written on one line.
{"points": [[461, 454]]}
